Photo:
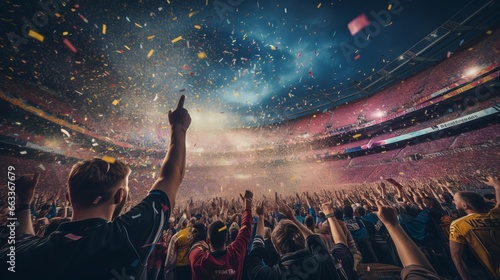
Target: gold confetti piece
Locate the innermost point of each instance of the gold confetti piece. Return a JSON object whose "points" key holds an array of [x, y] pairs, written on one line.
{"points": [[115, 102], [118, 51], [72, 78], [222, 228], [150, 53], [273, 47], [65, 33], [197, 26], [193, 13], [138, 25], [202, 55], [104, 29], [390, 7], [58, 14], [206, 3], [319, 5], [126, 47], [151, 37], [108, 159], [174, 18], [168, 1], [35, 35], [356, 136], [176, 39], [489, 32]]}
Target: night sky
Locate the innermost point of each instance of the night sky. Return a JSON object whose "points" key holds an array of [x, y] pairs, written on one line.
{"points": [[240, 63]]}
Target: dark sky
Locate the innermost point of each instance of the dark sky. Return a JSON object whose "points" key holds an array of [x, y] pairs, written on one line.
{"points": [[251, 61]]}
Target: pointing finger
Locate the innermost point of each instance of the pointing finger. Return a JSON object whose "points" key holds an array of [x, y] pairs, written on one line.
{"points": [[181, 101]]}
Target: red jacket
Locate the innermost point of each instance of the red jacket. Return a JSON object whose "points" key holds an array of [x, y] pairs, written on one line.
{"points": [[225, 265]]}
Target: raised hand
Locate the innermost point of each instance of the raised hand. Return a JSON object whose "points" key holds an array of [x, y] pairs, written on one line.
{"points": [[285, 209], [327, 207], [180, 116], [260, 209], [492, 181], [247, 199], [387, 214], [25, 187]]}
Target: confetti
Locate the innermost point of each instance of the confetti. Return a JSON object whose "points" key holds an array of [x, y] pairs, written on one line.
{"points": [[41, 166], [96, 200], [176, 39], [136, 216], [65, 33], [358, 24], [222, 229], [35, 35], [69, 45], [138, 25], [202, 55], [104, 29], [193, 13], [108, 159], [319, 5], [65, 132], [151, 37], [72, 236], [197, 26], [23, 152], [149, 54]]}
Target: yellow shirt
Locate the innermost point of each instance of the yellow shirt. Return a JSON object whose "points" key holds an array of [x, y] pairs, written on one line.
{"points": [[183, 238], [482, 233]]}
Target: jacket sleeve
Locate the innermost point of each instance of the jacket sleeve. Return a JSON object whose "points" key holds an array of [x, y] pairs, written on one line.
{"points": [[254, 267], [239, 246]]}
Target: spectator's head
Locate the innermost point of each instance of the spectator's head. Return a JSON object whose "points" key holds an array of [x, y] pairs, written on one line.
{"points": [[184, 223], [469, 202], [339, 215], [287, 238], [360, 211], [217, 235], [267, 232], [430, 203], [348, 212], [446, 197], [309, 223], [233, 231], [98, 187], [198, 233]]}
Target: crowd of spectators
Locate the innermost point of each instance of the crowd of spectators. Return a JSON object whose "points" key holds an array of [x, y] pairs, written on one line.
{"points": [[428, 227]]}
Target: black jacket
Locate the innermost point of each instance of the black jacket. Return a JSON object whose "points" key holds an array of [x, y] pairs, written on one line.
{"points": [[313, 262]]}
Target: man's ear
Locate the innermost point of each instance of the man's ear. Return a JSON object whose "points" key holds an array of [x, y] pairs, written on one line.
{"points": [[120, 196]]}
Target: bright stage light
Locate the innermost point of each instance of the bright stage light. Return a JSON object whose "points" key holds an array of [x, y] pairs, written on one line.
{"points": [[471, 72]]}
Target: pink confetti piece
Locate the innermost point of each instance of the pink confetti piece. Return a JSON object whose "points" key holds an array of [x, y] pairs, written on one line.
{"points": [[164, 207], [70, 45], [72, 236], [97, 199], [358, 24]]}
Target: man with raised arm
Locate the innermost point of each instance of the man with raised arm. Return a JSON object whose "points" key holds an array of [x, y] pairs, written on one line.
{"points": [[99, 243]]}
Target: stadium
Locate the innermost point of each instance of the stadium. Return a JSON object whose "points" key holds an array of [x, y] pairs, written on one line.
{"points": [[291, 98]]}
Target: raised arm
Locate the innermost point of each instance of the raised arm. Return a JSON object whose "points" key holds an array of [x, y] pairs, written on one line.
{"points": [[337, 232], [495, 183], [408, 252], [25, 190], [288, 212], [174, 165]]}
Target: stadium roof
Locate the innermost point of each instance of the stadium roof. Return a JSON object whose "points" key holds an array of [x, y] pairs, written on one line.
{"points": [[239, 62]]}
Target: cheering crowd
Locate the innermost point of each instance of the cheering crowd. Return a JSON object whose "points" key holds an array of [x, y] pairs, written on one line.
{"points": [[432, 228]]}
